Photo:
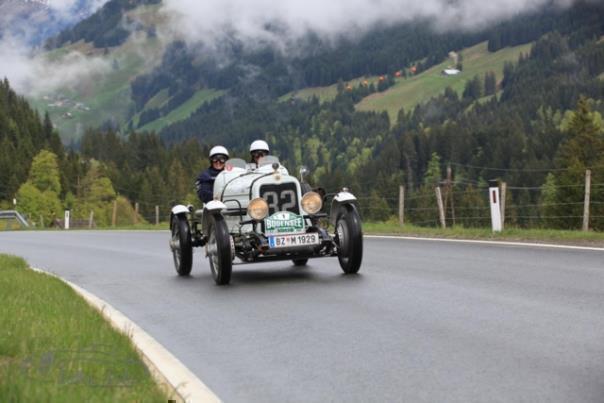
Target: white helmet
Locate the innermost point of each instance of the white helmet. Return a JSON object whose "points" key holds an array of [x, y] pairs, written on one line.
{"points": [[218, 150], [259, 145]]}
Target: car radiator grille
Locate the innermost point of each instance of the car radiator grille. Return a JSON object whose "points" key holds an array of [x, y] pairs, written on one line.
{"points": [[282, 197]]}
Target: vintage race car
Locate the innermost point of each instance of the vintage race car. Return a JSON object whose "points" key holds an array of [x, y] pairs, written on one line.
{"points": [[264, 214]]}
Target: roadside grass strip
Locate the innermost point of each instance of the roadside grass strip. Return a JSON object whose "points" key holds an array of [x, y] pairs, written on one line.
{"points": [[54, 347], [392, 227]]}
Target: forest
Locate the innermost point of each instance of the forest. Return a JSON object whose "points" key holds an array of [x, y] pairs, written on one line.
{"points": [[538, 130]]}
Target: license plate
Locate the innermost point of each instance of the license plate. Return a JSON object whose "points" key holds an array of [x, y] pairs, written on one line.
{"points": [[288, 241]]}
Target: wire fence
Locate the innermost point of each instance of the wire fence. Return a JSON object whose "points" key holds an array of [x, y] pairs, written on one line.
{"points": [[463, 202]]}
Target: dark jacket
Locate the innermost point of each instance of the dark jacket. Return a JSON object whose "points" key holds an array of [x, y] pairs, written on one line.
{"points": [[205, 184]]}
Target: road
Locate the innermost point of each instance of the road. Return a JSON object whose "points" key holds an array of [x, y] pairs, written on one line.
{"points": [[422, 322]]}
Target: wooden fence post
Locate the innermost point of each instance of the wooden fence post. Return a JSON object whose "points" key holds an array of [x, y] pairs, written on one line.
{"points": [[401, 205], [90, 219], [114, 215], [136, 213], [441, 209], [504, 187], [450, 194], [156, 215], [586, 201]]}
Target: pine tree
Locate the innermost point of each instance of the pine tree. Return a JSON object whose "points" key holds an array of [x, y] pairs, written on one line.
{"points": [[583, 150], [39, 196], [433, 174], [490, 83], [473, 89]]}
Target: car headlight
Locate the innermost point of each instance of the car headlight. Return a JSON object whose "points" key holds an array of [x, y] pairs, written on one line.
{"points": [[258, 208], [312, 202]]}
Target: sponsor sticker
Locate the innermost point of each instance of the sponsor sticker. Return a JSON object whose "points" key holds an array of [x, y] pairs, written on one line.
{"points": [[284, 222]]}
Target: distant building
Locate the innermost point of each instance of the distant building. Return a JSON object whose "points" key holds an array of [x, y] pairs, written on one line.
{"points": [[450, 72]]}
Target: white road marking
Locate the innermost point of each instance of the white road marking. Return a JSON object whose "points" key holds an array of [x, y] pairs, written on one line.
{"points": [[168, 371], [505, 243]]}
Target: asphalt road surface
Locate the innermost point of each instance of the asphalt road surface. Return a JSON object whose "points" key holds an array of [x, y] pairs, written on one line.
{"points": [[422, 322]]}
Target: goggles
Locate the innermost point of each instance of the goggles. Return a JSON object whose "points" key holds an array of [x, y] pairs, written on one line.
{"points": [[222, 160], [259, 154]]}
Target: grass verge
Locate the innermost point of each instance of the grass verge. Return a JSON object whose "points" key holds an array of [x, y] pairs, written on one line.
{"points": [[54, 347], [509, 234]]}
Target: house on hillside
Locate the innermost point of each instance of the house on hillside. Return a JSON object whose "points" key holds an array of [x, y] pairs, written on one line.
{"points": [[450, 72]]}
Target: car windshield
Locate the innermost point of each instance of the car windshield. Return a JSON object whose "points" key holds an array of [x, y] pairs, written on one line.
{"points": [[235, 163], [268, 160]]}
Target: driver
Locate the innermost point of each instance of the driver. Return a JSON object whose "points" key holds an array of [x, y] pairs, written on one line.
{"points": [[258, 149], [205, 181]]}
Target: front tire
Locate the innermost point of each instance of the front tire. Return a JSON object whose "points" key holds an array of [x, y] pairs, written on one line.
{"points": [[349, 238], [182, 249], [300, 262], [218, 250]]}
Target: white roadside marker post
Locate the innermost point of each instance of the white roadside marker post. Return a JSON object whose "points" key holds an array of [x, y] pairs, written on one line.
{"points": [[66, 219], [401, 205], [495, 205]]}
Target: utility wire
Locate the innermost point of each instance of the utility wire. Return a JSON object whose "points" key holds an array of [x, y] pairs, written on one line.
{"points": [[519, 169]]}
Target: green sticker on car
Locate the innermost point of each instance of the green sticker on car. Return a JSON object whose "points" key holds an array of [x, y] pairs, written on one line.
{"points": [[284, 222]]}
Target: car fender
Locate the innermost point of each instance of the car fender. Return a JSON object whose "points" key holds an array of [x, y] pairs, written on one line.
{"points": [[211, 208], [214, 205], [176, 210], [341, 199]]}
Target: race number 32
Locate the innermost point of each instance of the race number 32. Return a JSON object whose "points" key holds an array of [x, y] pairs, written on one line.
{"points": [[280, 198]]}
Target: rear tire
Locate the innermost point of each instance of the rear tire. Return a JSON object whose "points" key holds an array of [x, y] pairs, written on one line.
{"points": [[300, 262], [218, 250], [182, 249], [349, 238]]}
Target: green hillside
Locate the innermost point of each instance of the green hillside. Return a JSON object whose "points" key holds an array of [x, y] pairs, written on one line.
{"points": [[326, 93], [407, 93], [107, 97], [182, 112]]}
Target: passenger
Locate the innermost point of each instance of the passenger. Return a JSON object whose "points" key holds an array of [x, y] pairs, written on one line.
{"points": [[258, 149], [205, 181]]}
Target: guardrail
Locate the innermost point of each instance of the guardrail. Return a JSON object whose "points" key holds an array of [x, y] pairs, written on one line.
{"points": [[13, 215]]}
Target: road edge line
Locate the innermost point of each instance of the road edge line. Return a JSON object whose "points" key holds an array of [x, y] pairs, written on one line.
{"points": [[478, 241], [167, 370]]}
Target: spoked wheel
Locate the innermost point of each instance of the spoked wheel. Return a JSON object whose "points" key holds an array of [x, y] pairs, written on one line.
{"points": [[349, 238], [182, 250], [218, 250], [300, 262]]}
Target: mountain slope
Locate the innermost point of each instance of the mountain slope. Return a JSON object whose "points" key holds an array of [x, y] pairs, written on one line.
{"points": [[407, 93], [105, 97], [109, 26], [34, 21], [152, 87]]}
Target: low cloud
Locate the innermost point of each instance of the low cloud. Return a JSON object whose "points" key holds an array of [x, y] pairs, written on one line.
{"points": [[25, 23], [73, 9], [214, 23], [33, 73], [282, 24]]}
